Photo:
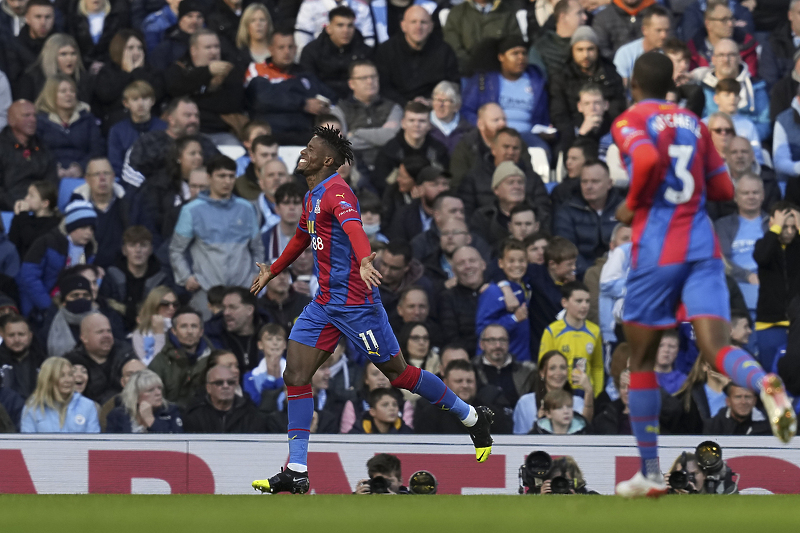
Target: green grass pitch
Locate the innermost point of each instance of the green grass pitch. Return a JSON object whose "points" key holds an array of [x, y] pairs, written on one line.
{"points": [[408, 514]]}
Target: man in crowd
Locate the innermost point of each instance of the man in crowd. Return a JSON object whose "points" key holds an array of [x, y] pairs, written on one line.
{"points": [[400, 271], [497, 368], [281, 302], [263, 149], [474, 145], [741, 417], [413, 62], [619, 24], [28, 43], [453, 234], [20, 356], [236, 328], [655, 30], [459, 305], [416, 217], [491, 221], [719, 25], [554, 46]]}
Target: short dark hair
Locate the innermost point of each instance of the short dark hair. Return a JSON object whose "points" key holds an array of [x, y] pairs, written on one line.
{"points": [[781, 205], [342, 148], [369, 202], [136, 235], [40, 3], [376, 395], [283, 30], [341, 11], [507, 131], [175, 102], [186, 310], [458, 364], [264, 140], [560, 249], [220, 162], [215, 294], [570, 287], [213, 360], [13, 318], [671, 334], [524, 207], [656, 10], [272, 329], [416, 107], [597, 163], [652, 72], [289, 191], [712, 5], [400, 247], [533, 237], [46, 189], [384, 463], [588, 146], [674, 45], [738, 314], [359, 63], [510, 245], [246, 296], [447, 193], [414, 164], [561, 8], [728, 85], [253, 124]]}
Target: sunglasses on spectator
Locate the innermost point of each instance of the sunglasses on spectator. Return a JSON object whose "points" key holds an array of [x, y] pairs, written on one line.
{"points": [[723, 131], [221, 382]]}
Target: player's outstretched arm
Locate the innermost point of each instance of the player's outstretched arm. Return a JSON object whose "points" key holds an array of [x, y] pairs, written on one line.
{"points": [[266, 273]]}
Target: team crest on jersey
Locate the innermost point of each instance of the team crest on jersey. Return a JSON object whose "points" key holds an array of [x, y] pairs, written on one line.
{"points": [[589, 347], [627, 130], [345, 204], [565, 349], [316, 207]]}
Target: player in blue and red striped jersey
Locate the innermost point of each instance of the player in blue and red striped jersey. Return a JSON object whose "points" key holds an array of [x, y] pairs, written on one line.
{"points": [[674, 169], [348, 303]]}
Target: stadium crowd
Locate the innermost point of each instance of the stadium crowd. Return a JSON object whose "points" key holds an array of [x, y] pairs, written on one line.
{"points": [[146, 164]]}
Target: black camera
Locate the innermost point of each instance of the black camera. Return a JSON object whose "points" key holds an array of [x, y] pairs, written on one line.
{"points": [[680, 479], [560, 485], [379, 485], [709, 459], [533, 473], [422, 482]]}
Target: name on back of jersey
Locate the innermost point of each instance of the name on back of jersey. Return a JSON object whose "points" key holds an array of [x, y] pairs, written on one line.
{"points": [[661, 122]]}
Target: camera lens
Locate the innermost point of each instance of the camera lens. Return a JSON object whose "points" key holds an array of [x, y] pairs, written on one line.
{"points": [[679, 480], [422, 482], [379, 485], [709, 456], [538, 463], [560, 485]]}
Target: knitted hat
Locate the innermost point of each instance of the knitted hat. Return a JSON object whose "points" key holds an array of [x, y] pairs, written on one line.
{"points": [[74, 283], [512, 41], [79, 214], [188, 6], [431, 173], [583, 33], [504, 170]]}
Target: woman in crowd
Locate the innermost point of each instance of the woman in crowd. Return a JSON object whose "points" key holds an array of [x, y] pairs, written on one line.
{"points": [[94, 23], [80, 375], [127, 64], [153, 322], [67, 127], [415, 343], [255, 28], [55, 407], [448, 124], [59, 55], [144, 409], [700, 398], [34, 215], [373, 379], [159, 202], [553, 372]]}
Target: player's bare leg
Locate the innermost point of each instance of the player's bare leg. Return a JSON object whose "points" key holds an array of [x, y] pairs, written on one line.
{"points": [[713, 341], [301, 363], [645, 408], [430, 387]]}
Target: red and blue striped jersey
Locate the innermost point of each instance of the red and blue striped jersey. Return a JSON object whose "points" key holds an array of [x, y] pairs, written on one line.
{"points": [[674, 169], [325, 209]]}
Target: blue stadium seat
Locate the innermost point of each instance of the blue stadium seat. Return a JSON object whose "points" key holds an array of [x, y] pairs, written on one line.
{"points": [[65, 189], [8, 216], [550, 185]]}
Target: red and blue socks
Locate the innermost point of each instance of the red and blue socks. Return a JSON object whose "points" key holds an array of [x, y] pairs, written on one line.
{"points": [[300, 408], [740, 366], [645, 407], [436, 392]]}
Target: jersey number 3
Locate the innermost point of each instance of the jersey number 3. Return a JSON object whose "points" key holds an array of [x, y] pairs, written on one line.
{"points": [[682, 154]]}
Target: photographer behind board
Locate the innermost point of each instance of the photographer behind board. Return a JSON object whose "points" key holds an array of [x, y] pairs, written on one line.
{"points": [[702, 472], [385, 476], [540, 474]]}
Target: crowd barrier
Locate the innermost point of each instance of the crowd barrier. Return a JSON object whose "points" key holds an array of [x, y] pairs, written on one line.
{"points": [[214, 464]]}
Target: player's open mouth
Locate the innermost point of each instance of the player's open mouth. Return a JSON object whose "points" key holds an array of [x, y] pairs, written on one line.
{"points": [[302, 161]]}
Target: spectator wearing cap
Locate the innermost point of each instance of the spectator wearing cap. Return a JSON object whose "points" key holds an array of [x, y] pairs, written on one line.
{"points": [[99, 352], [553, 47], [416, 217], [338, 46], [220, 233], [71, 243], [61, 332], [175, 43], [476, 188], [619, 24], [472, 21], [585, 66], [368, 119], [21, 355], [156, 24], [23, 158], [518, 87], [111, 207], [213, 84], [413, 61], [655, 30], [508, 185], [414, 138], [284, 94], [587, 219]]}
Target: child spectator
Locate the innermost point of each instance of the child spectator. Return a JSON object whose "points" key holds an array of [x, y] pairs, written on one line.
{"points": [[268, 375], [669, 378], [577, 338], [726, 96], [506, 302], [535, 245], [383, 415], [138, 98], [372, 379], [559, 418], [250, 131], [34, 216], [560, 258]]}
